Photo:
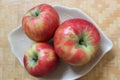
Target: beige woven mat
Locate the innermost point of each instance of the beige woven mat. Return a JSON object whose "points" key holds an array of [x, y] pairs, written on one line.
{"points": [[106, 13]]}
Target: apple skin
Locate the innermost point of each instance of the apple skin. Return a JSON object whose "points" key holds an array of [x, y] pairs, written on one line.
{"points": [[40, 60], [77, 41], [40, 22]]}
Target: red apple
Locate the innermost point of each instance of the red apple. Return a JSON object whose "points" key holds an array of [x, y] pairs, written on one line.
{"points": [[40, 22], [40, 60], [77, 41]]}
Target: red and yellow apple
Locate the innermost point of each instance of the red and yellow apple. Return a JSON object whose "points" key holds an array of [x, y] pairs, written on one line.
{"points": [[77, 41], [40, 22], [40, 60]]}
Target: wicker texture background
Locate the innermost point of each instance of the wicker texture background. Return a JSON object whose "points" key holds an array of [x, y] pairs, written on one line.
{"points": [[106, 13]]}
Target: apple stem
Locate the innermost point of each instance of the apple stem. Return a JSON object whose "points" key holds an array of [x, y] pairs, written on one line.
{"points": [[35, 13], [82, 42], [35, 58]]}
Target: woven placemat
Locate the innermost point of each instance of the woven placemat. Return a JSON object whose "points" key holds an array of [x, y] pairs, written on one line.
{"points": [[106, 13]]}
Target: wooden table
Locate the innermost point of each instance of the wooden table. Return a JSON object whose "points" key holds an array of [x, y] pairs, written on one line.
{"points": [[105, 13]]}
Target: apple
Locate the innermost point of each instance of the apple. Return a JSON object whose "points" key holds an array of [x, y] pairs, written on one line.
{"points": [[40, 22], [77, 41], [40, 59]]}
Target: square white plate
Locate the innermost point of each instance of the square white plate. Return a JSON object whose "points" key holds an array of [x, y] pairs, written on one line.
{"points": [[19, 43]]}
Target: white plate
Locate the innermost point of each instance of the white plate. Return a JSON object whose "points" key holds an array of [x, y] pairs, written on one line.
{"points": [[19, 43]]}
